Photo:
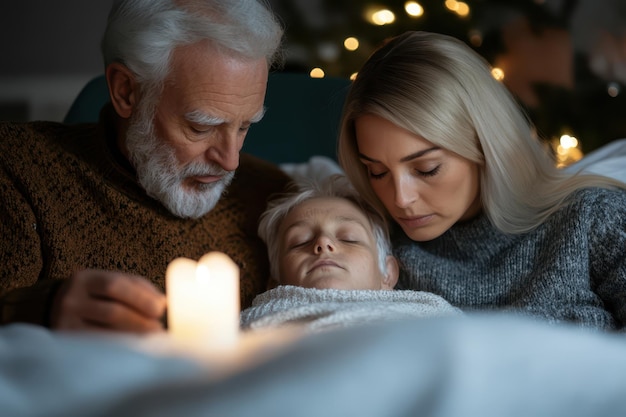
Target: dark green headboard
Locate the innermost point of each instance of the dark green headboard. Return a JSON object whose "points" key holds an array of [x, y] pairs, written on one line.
{"points": [[301, 120]]}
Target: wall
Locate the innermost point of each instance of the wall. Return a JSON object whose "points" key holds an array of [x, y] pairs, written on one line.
{"points": [[48, 50]]}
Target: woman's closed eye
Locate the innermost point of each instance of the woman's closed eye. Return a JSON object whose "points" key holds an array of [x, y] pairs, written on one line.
{"points": [[377, 175], [422, 173], [429, 173]]}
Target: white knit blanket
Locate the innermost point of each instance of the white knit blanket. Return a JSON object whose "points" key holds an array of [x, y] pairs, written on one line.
{"points": [[319, 310]]}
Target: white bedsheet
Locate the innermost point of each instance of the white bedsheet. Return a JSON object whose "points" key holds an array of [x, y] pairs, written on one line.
{"points": [[608, 160], [470, 366]]}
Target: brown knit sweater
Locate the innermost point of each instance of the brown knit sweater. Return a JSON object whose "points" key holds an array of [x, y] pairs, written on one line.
{"points": [[69, 201]]}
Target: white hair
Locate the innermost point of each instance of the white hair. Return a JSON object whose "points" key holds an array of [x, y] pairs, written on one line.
{"points": [[437, 87], [142, 34], [334, 186], [159, 173]]}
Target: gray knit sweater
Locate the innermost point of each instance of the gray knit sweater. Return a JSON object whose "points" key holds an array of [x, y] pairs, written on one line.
{"points": [[570, 269]]}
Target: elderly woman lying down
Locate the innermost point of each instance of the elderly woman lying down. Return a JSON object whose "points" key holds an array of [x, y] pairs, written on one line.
{"points": [[331, 255]]}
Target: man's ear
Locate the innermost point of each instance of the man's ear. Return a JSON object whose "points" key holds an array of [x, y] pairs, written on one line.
{"points": [[393, 271], [123, 89]]}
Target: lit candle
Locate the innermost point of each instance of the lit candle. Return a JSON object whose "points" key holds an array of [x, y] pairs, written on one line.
{"points": [[203, 301]]}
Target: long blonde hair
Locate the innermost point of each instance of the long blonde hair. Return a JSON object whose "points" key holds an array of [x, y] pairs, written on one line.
{"points": [[437, 87]]}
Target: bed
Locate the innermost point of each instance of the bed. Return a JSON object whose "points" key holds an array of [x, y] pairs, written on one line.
{"points": [[471, 365]]}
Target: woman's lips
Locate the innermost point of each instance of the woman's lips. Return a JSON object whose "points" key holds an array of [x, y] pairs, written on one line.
{"points": [[415, 221]]}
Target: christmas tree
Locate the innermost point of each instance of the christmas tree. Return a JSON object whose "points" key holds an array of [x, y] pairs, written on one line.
{"points": [[535, 43]]}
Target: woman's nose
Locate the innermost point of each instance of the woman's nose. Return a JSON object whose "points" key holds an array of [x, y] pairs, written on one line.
{"points": [[404, 195]]}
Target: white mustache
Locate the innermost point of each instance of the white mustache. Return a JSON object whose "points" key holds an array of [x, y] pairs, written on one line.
{"points": [[199, 169]]}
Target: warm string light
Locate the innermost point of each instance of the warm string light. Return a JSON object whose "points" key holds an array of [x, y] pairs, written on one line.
{"points": [[413, 9], [567, 150], [460, 8], [497, 73], [379, 17], [351, 43], [344, 54], [317, 73]]}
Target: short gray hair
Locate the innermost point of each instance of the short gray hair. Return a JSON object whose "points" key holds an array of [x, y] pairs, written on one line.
{"points": [[142, 34], [334, 186]]}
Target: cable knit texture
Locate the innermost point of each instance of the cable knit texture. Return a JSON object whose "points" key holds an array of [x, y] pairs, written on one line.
{"points": [[315, 310], [570, 269], [70, 201]]}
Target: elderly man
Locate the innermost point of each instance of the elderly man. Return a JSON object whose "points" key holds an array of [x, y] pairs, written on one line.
{"points": [[92, 214]]}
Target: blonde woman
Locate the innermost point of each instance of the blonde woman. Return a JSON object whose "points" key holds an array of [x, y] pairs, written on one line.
{"points": [[481, 214]]}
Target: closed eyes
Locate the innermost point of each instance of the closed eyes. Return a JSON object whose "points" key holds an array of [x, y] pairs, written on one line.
{"points": [[418, 172]]}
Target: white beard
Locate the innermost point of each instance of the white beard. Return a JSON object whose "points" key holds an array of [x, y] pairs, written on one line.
{"points": [[159, 173]]}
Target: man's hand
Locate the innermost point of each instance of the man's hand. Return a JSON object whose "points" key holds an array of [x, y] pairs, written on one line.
{"points": [[105, 300]]}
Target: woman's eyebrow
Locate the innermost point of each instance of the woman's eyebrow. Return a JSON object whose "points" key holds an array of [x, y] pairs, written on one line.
{"points": [[406, 158]]}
